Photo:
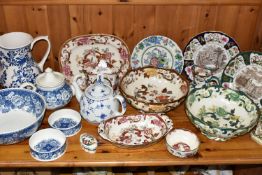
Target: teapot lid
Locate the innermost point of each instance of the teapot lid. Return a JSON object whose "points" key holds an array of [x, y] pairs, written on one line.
{"points": [[50, 78], [99, 90]]}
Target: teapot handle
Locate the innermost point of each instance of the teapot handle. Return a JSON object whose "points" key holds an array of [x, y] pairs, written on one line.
{"points": [[123, 105], [29, 86], [36, 39]]}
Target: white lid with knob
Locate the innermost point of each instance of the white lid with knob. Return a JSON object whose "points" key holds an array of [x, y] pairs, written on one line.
{"points": [[50, 79]]}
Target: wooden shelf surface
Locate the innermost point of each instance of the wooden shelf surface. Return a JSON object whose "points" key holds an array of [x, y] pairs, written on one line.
{"points": [[134, 2], [240, 150]]}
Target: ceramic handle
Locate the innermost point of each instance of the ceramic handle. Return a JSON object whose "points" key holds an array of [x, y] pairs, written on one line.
{"points": [[123, 105], [28, 86], [43, 60]]}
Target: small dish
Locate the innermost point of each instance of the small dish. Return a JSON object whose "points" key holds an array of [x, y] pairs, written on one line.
{"points": [[135, 130], [88, 143], [244, 73], [209, 52], [157, 51], [66, 120], [47, 144], [182, 143], [154, 90]]}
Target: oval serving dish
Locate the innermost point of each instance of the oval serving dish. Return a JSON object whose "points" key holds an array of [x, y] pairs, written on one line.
{"points": [[135, 130]]}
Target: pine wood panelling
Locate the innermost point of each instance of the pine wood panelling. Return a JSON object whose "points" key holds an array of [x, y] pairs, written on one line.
{"points": [[132, 22], [123, 20], [59, 28], [246, 26], [15, 18], [144, 22]]}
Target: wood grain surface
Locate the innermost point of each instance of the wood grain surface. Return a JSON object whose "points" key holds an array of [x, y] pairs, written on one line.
{"points": [[240, 150]]}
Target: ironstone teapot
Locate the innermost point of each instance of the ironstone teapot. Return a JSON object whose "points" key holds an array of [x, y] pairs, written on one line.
{"points": [[16, 62]]}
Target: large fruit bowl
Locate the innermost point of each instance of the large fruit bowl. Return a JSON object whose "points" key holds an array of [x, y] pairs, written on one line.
{"points": [[154, 90]]}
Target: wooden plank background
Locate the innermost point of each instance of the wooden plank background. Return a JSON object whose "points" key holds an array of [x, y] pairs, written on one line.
{"points": [[132, 20]]}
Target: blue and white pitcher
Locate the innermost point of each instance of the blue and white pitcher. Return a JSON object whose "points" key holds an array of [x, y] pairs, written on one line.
{"points": [[17, 65]]}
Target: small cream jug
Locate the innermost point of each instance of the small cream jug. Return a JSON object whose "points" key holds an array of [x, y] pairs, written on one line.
{"points": [[17, 65]]}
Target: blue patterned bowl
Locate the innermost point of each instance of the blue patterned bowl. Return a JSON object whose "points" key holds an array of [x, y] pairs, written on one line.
{"points": [[66, 120], [21, 113], [47, 144], [220, 113]]}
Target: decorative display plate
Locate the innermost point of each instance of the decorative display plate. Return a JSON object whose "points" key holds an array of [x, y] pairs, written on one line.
{"points": [[157, 51], [210, 53], [135, 130], [82, 54], [244, 73]]}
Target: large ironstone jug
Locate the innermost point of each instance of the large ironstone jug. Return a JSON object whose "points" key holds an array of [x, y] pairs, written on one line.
{"points": [[17, 65]]}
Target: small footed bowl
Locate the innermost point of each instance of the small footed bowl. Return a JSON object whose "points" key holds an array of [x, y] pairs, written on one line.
{"points": [[182, 143], [88, 143], [47, 144], [154, 90], [66, 120]]}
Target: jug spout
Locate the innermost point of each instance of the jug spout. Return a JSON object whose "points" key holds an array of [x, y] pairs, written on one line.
{"points": [[78, 92]]}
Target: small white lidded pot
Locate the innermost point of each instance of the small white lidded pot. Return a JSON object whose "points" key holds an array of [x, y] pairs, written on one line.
{"points": [[53, 87], [66, 120], [88, 143], [182, 143], [47, 144]]}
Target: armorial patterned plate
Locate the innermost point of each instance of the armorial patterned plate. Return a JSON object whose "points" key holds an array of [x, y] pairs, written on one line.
{"points": [[82, 54], [157, 51], [209, 52], [244, 73], [135, 130]]}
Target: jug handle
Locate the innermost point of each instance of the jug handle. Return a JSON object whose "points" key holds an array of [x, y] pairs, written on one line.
{"points": [[43, 60], [123, 105]]}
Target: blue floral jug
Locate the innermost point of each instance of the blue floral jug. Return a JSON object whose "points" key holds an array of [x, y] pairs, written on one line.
{"points": [[17, 65]]}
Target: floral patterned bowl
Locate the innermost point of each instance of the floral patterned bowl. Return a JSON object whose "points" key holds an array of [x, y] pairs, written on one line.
{"points": [[182, 143], [221, 113], [47, 144], [154, 90], [21, 113], [66, 120], [135, 130]]}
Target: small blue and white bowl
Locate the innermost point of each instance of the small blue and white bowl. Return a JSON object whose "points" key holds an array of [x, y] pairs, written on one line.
{"points": [[21, 113], [47, 144], [66, 120]]}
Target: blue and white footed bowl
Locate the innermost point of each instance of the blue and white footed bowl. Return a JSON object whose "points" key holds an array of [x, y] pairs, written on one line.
{"points": [[66, 120], [47, 144], [21, 113], [56, 97]]}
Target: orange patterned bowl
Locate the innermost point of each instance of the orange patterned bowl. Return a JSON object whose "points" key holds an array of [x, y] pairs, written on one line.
{"points": [[154, 90]]}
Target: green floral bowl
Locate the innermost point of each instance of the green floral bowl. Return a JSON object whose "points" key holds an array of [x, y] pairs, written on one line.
{"points": [[220, 113]]}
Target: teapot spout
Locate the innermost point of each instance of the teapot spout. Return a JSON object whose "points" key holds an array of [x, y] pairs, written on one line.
{"points": [[78, 92]]}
